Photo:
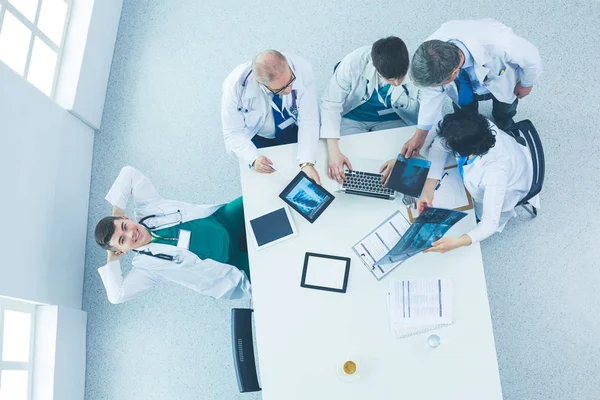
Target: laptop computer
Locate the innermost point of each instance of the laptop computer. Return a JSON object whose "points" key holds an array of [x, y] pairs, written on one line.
{"points": [[365, 180]]}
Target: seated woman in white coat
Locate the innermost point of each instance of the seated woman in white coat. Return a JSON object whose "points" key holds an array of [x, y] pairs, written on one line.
{"points": [[496, 169], [202, 247]]}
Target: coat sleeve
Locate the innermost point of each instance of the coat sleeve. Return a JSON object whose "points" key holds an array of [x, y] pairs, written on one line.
{"points": [[122, 288], [518, 51], [214, 279], [308, 117], [438, 155], [131, 182], [494, 180], [332, 101], [430, 110], [233, 123]]}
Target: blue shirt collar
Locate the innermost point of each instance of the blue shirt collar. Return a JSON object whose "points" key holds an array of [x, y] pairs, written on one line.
{"points": [[469, 62]]}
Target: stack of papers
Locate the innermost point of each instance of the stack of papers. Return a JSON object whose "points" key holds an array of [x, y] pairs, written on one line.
{"points": [[417, 306]]}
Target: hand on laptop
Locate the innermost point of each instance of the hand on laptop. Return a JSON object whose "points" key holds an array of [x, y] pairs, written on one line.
{"points": [[337, 160], [386, 170]]}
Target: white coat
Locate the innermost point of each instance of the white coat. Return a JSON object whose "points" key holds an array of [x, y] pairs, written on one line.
{"points": [[497, 180], [209, 277], [246, 107], [353, 84], [502, 59]]}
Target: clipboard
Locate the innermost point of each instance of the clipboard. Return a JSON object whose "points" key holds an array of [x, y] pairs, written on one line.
{"points": [[451, 185]]}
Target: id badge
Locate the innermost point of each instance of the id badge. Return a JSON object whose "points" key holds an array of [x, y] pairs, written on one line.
{"points": [[183, 241], [286, 123], [386, 111]]}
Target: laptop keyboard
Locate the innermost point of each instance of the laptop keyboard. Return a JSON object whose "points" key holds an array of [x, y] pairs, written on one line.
{"points": [[365, 183]]}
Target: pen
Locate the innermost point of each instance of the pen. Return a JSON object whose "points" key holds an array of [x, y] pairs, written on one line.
{"points": [[440, 182]]}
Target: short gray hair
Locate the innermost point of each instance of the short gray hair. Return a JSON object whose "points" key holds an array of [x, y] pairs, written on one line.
{"points": [[268, 66], [433, 63]]}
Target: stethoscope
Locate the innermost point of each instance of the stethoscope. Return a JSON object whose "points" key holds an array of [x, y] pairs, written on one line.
{"points": [[177, 259], [293, 110]]}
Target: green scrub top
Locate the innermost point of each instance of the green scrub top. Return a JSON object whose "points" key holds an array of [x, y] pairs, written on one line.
{"points": [[221, 236], [209, 238]]}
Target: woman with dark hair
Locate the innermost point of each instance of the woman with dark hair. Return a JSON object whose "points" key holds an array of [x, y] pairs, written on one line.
{"points": [[496, 169]]}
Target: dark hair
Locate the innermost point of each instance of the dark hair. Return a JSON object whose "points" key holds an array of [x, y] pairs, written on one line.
{"points": [[390, 57], [105, 229], [467, 133], [433, 63]]}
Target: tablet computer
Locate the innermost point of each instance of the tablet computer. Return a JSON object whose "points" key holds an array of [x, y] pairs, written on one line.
{"points": [[271, 228], [306, 197], [325, 272]]}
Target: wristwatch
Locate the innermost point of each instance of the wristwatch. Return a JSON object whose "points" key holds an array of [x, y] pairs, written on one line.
{"points": [[305, 164]]}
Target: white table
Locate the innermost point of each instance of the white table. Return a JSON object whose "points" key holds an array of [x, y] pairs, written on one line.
{"points": [[302, 334]]}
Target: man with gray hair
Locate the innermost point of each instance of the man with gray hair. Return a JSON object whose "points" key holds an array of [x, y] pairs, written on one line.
{"points": [[472, 61], [269, 102]]}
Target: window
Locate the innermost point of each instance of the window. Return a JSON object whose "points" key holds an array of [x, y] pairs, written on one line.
{"points": [[17, 320], [32, 35]]}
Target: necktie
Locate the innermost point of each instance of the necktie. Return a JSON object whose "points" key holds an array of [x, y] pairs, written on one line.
{"points": [[277, 116], [460, 164], [465, 90]]}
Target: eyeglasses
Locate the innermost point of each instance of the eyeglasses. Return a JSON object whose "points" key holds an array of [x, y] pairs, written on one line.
{"points": [[277, 91]]}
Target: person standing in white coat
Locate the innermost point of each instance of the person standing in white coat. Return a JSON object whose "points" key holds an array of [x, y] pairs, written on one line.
{"points": [[269, 102], [496, 169], [367, 92], [471, 61], [202, 247]]}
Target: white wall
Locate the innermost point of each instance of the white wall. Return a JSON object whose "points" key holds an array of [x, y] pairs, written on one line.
{"points": [[59, 368], [45, 172], [87, 58]]}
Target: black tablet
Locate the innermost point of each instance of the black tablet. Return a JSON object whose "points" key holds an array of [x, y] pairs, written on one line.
{"points": [[325, 272], [306, 197]]}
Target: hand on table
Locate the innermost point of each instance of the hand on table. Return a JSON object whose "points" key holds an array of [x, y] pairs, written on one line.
{"points": [[263, 165]]}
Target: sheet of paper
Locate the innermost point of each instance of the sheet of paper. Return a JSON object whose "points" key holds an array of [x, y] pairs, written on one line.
{"points": [[379, 242], [451, 193], [420, 303], [325, 272]]}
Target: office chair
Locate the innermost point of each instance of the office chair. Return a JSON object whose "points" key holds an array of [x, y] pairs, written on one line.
{"points": [[243, 350], [525, 132]]}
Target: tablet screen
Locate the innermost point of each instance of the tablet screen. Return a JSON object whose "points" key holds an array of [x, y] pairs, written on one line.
{"points": [[306, 197], [272, 228]]}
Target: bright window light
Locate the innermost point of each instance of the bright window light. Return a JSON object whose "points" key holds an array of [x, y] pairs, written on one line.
{"points": [[13, 385], [14, 43], [43, 64], [26, 7], [17, 332], [52, 19], [32, 35]]}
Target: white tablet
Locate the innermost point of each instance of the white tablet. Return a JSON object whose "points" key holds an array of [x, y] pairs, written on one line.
{"points": [[271, 228]]}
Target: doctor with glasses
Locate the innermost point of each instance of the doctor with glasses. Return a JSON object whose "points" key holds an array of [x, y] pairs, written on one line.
{"points": [[271, 101]]}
